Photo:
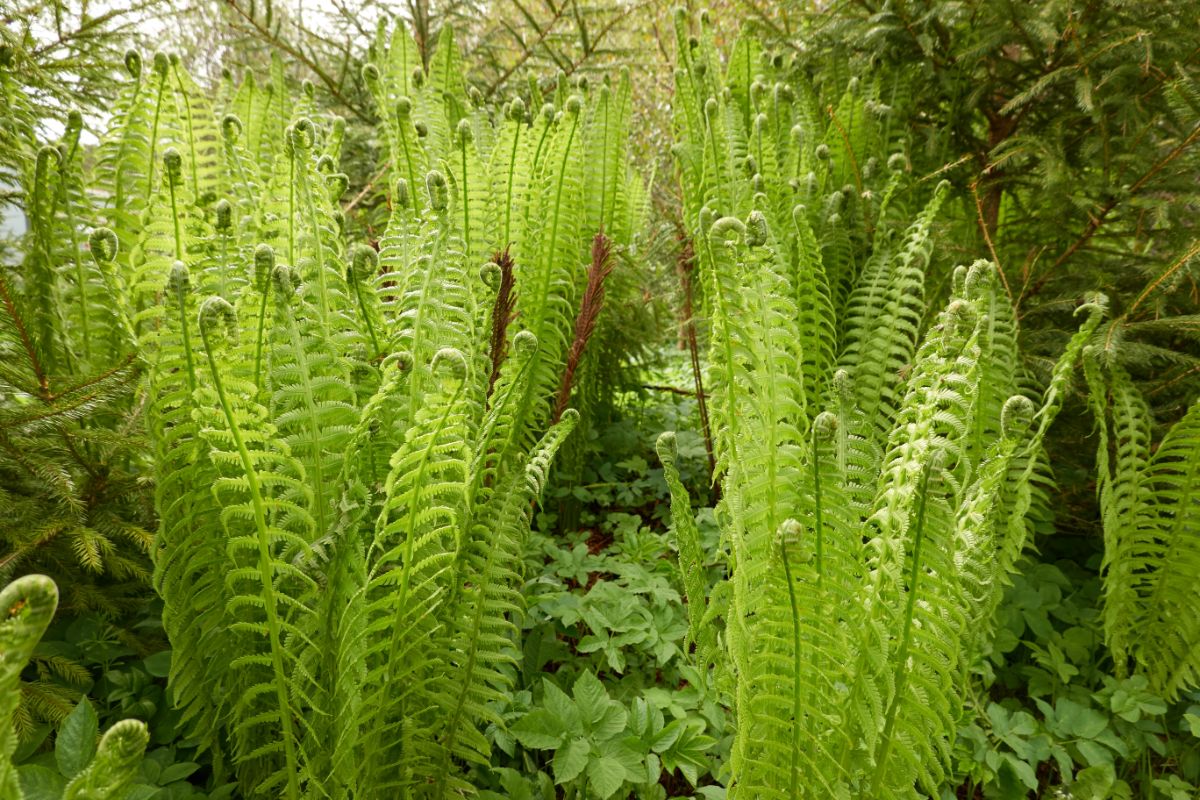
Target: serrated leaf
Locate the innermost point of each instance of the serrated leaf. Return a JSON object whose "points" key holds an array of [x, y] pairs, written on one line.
{"points": [[539, 730], [591, 698], [605, 776], [612, 723], [667, 737], [559, 704], [1093, 753], [627, 751], [570, 761]]}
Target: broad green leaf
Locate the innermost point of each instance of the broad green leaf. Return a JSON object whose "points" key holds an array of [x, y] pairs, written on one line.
{"points": [[560, 705], [159, 664], [1093, 783], [612, 722], [569, 761], [1080, 721], [667, 736], [591, 698], [178, 772], [539, 730], [1093, 753], [40, 783], [605, 775], [76, 742], [627, 751]]}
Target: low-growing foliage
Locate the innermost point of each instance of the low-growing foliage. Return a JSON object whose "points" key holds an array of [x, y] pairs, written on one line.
{"points": [[86, 766]]}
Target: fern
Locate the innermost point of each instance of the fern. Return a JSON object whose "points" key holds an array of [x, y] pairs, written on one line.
{"points": [[1148, 506], [348, 444], [873, 504]]}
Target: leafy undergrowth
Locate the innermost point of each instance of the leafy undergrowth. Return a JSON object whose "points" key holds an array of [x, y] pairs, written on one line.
{"points": [[607, 703]]}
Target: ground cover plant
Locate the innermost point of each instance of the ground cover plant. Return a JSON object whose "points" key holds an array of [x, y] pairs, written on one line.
{"points": [[423, 426]]}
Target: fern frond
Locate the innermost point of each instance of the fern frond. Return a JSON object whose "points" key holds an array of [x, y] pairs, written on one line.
{"points": [[27, 605]]}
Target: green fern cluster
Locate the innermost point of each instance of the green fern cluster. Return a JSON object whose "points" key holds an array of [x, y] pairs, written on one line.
{"points": [[536, 178], [348, 441], [1150, 507], [876, 471]]}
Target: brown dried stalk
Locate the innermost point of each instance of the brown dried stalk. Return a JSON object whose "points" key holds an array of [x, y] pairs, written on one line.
{"points": [[585, 323], [684, 267], [502, 313]]}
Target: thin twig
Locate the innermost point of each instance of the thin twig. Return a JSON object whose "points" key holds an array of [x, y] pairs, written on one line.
{"points": [[299, 55], [370, 185], [849, 148], [654, 387], [527, 52], [987, 237], [1099, 219]]}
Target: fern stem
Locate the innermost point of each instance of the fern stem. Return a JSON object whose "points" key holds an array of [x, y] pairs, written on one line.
{"points": [[794, 770], [265, 574], [154, 137], [118, 200], [466, 198], [508, 193], [261, 333], [314, 426], [411, 533], [181, 296], [175, 221], [900, 681], [604, 223], [80, 275], [322, 288], [408, 163], [191, 136], [291, 212], [362, 307], [818, 512]]}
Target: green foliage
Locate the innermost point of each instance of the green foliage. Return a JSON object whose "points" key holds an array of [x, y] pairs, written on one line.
{"points": [[875, 469], [334, 361], [86, 769], [347, 444], [1071, 135], [1059, 718], [1148, 501], [69, 433]]}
